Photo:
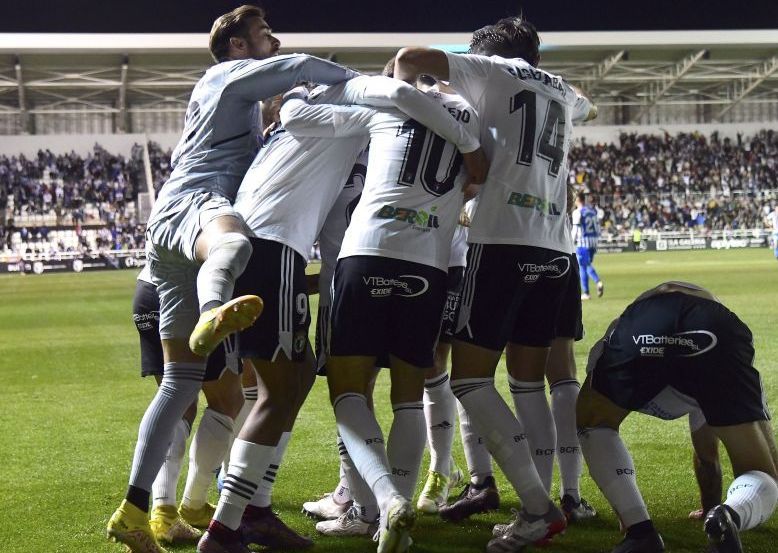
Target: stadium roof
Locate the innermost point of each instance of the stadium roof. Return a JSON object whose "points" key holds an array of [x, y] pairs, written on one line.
{"points": [[117, 73]]}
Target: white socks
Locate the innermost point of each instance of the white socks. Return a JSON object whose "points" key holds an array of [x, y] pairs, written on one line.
{"points": [[564, 395], [440, 413], [362, 435], [505, 439], [248, 463], [533, 412], [249, 400], [611, 467], [264, 495], [357, 488], [209, 446], [406, 446], [479, 462], [753, 496], [163, 489]]}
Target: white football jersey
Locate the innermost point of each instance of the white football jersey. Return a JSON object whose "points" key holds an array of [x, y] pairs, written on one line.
{"points": [[526, 119], [293, 183], [458, 256], [413, 191], [331, 235]]}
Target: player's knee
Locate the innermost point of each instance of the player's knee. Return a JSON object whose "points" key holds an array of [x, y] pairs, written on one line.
{"points": [[234, 249]]}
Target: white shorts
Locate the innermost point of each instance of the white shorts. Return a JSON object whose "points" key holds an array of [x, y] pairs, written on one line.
{"points": [[170, 249]]}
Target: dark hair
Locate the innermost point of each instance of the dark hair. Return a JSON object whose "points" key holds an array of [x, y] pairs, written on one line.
{"points": [[389, 68], [581, 197], [230, 25], [426, 80], [511, 37]]}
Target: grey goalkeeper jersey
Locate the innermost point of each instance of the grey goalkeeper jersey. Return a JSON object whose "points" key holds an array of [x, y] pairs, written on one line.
{"points": [[222, 126]]}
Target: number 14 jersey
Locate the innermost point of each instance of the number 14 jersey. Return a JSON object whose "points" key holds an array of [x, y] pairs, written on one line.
{"points": [[413, 189], [526, 119]]}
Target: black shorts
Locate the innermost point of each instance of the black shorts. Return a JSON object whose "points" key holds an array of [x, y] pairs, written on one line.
{"points": [[453, 294], [145, 314], [275, 273], [385, 306], [693, 345], [569, 322], [511, 293]]}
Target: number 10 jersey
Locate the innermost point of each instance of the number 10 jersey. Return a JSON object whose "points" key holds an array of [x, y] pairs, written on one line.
{"points": [[413, 189]]}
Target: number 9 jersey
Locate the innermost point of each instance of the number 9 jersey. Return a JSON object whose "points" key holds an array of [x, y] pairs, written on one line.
{"points": [[526, 119], [413, 189]]}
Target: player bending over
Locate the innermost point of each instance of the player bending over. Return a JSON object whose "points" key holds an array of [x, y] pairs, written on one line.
{"points": [[676, 349]]}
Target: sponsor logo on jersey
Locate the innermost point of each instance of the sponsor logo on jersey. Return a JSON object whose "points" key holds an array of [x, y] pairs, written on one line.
{"points": [[419, 219], [405, 286], [542, 206], [556, 268], [682, 344]]}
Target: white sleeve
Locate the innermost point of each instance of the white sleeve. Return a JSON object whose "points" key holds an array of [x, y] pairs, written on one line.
{"points": [[581, 106], [469, 75], [576, 217], [325, 120], [385, 92]]}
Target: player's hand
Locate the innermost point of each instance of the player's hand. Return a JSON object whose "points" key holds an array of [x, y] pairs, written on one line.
{"points": [[477, 166], [699, 514]]}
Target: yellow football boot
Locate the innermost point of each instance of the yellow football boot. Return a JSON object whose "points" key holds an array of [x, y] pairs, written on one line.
{"points": [[130, 525], [218, 323]]}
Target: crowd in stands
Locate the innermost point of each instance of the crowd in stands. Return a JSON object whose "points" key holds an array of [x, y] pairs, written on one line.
{"points": [[665, 182], [66, 202]]}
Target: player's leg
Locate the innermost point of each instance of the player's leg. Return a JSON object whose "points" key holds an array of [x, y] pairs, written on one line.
{"points": [[440, 416], [611, 467], [249, 384], [561, 375], [490, 288], [583, 271], [360, 518], [707, 468], [165, 521], [753, 495], [224, 250], [593, 273], [222, 388], [480, 494], [277, 347], [183, 375]]}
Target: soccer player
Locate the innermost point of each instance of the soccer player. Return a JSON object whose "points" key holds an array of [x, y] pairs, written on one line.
{"points": [[197, 244], [586, 232], [284, 199], [518, 261], [675, 349], [212, 436], [772, 220]]}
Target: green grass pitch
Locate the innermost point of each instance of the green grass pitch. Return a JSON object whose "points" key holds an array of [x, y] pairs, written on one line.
{"points": [[72, 400]]}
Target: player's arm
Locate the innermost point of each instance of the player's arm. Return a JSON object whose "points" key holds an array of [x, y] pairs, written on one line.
{"points": [[707, 468], [393, 93], [255, 80], [323, 120], [465, 73], [412, 62], [583, 109]]}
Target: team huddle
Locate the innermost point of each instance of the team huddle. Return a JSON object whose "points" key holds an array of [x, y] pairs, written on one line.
{"points": [[442, 210]]}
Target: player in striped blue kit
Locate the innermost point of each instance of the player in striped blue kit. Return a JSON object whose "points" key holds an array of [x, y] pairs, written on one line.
{"points": [[586, 232]]}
